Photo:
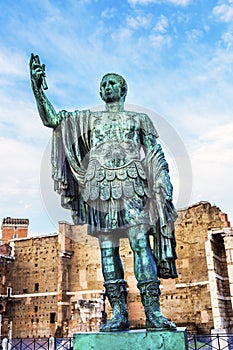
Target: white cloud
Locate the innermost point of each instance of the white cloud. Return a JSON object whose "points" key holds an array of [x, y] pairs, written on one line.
{"points": [[227, 38], [20, 186], [11, 63], [109, 13], [224, 11], [212, 165], [194, 35], [216, 145], [138, 21], [173, 2], [162, 25], [159, 40], [122, 34], [19, 118], [19, 168]]}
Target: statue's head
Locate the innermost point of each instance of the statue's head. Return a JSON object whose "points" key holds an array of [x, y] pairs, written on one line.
{"points": [[113, 88]]}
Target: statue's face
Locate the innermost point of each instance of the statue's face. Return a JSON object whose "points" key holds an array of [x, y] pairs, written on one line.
{"points": [[110, 89]]}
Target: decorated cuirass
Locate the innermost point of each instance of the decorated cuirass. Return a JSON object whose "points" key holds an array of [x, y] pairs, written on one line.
{"points": [[115, 168]]}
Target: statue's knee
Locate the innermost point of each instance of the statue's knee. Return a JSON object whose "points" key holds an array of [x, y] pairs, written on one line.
{"points": [[139, 244], [107, 252]]}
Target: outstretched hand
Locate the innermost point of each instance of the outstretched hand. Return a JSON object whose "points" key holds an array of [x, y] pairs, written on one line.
{"points": [[37, 72]]}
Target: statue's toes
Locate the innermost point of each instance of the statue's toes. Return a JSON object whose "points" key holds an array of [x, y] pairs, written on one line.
{"points": [[170, 325], [115, 325], [160, 323]]}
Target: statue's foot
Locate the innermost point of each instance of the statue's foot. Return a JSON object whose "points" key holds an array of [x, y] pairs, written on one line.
{"points": [[158, 322], [115, 325]]}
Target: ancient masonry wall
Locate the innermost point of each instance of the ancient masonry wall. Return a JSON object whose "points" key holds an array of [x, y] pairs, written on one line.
{"points": [[218, 252], [57, 284], [188, 297], [34, 281]]}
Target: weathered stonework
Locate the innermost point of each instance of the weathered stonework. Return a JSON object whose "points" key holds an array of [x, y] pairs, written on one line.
{"points": [[57, 284], [34, 280], [6, 261], [188, 298]]}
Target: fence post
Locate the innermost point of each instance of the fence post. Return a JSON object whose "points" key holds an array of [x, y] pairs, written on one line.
{"points": [[218, 342], [195, 341]]}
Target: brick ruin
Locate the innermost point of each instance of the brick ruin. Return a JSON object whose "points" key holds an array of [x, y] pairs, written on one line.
{"points": [[53, 285]]}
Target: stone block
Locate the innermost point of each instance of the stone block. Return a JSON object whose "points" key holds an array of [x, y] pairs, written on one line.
{"points": [[132, 340]]}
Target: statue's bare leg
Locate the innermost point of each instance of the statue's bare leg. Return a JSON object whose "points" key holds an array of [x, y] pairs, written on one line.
{"points": [[145, 270], [114, 283], [110, 258], [144, 263]]}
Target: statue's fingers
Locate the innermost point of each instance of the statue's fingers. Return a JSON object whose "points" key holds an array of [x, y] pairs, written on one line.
{"points": [[37, 66], [31, 59], [38, 71]]}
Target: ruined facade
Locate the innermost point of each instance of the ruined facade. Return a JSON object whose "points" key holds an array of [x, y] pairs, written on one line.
{"points": [[56, 284], [190, 296], [6, 261]]}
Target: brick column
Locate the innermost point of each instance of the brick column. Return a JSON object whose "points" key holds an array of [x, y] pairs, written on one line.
{"points": [[228, 243], [64, 261], [215, 279]]}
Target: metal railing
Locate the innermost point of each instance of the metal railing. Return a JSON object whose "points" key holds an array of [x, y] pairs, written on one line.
{"points": [[210, 342], [195, 342], [36, 344]]}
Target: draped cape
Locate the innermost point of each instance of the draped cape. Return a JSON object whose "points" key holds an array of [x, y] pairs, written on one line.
{"points": [[70, 156]]}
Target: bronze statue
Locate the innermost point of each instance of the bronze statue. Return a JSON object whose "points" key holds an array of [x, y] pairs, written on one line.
{"points": [[102, 177]]}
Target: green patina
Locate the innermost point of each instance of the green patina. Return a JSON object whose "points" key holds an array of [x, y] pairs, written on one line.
{"points": [[131, 340], [99, 171]]}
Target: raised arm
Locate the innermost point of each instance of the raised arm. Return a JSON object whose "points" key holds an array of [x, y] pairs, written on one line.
{"points": [[46, 110]]}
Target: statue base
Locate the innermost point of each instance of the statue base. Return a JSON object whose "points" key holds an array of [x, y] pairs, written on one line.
{"points": [[132, 340]]}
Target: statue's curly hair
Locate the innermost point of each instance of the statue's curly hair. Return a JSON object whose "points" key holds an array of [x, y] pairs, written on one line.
{"points": [[122, 81]]}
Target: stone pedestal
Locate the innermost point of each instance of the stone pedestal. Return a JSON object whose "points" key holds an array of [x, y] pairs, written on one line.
{"points": [[132, 340]]}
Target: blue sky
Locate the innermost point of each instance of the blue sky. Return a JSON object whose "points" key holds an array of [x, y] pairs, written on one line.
{"points": [[176, 56]]}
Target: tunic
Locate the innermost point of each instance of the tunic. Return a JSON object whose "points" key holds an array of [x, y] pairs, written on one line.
{"points": [[106, 167]]}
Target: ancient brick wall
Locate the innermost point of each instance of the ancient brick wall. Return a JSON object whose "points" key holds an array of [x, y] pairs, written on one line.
{"points": [[85, 273], [57, 281], [6, 260], [34, 281], [191, 232], [187, 299]]}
